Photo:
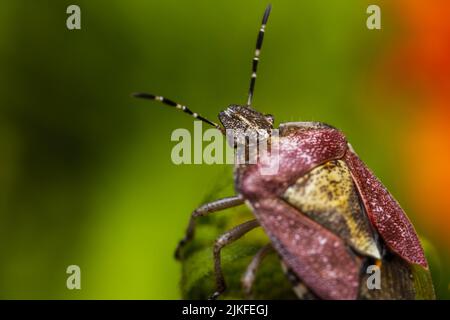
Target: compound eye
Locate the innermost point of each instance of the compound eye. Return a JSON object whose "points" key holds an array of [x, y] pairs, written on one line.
{"points": [[269, 118]]}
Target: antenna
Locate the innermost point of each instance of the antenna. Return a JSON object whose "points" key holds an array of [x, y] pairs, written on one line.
{"points": [[259, 42], [183, 108]]}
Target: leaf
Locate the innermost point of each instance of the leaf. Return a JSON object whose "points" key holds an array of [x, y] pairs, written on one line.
{"points": [[399, 279], [198, 280]]}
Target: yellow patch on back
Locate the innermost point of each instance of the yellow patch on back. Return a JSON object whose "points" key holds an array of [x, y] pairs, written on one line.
{"points": [[328, 196]]}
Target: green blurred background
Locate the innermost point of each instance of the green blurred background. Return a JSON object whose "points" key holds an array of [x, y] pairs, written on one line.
{"points": [[85, 171]]}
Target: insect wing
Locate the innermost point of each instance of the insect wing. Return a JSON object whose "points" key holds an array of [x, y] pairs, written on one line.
{"points": [[385, 213], [318, 257]]}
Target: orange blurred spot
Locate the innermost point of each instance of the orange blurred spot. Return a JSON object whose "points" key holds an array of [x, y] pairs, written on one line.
{"points": [[420, 64], [422, 50], [427, 154]]}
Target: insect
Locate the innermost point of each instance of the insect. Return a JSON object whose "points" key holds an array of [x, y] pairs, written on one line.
{"points": [[326, 214]]}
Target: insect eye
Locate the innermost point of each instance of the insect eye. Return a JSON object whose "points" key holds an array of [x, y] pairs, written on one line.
{"points": [[269, 118]]}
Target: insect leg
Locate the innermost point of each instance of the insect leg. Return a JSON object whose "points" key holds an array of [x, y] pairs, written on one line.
{"points": [[203, 210], [226, 239], [248, 278]]}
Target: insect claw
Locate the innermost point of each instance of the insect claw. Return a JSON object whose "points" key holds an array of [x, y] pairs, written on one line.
{"points": [[221, 287], [177, 255], [215, 295], [180, 246]]}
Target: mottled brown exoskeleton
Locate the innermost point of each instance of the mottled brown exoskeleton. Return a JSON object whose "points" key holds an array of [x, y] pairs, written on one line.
{"points": [[327, 216]]}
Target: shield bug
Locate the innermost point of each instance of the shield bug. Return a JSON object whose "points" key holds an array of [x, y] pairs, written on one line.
{"points": [[326, 214]]}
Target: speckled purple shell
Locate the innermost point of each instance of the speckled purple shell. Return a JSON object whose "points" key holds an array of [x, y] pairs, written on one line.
{"points": [[299, 152], [320, 258], [385, 213]]}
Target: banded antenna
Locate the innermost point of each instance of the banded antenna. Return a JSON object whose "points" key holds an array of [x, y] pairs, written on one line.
{"points": [[259, 42], [178, 106]]}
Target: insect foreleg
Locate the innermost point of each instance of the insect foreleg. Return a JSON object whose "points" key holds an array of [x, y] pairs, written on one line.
{"points": [[203, 210], [226, 239]]}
